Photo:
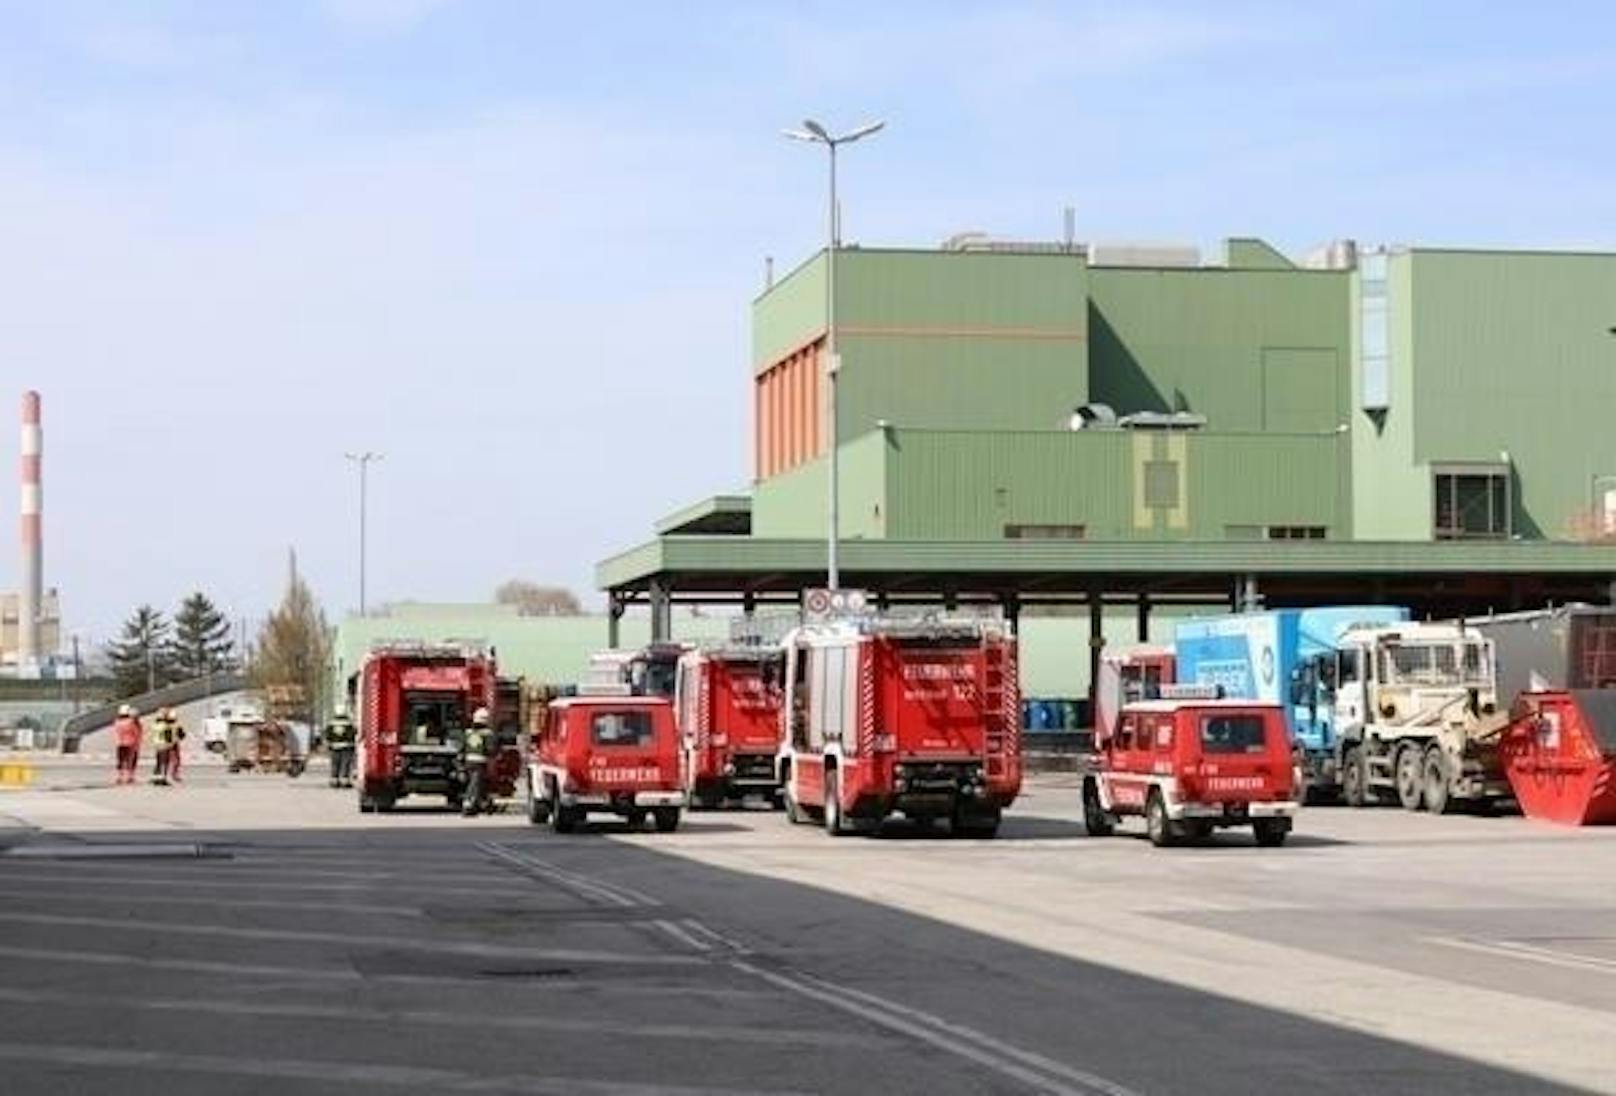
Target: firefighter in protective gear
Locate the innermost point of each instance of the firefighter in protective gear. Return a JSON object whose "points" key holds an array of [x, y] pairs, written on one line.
{"points": [[166, 743], [476, 750], [340, 743], [127, 732]]}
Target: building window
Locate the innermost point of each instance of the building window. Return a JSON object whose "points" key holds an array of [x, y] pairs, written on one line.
{"points": [[1472, 502], [1161, 484], [1295, 532], [1044, 532]]}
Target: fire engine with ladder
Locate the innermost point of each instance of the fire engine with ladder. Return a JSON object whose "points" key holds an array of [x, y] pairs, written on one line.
{"points": [[885, 715]]}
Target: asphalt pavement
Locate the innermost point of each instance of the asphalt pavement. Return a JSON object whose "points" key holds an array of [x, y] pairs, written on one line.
{"points": [[254, 934]]}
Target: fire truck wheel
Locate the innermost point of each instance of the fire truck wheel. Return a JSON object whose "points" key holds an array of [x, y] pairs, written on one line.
{"points": [[385, 800], [367, 805], [1157, 824], [835, 825], [1436, 781], [537, 812], [1270, 832], [1410, 777], [667, 819], [794, 812], [636, 820], [1095, 820], [1355, 777]]}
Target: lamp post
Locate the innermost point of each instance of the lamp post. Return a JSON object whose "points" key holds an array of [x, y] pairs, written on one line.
{"points": [[363, 460], [814, 133]]}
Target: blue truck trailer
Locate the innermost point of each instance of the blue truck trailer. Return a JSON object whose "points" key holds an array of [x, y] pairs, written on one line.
{"points": [[1271, 656]]}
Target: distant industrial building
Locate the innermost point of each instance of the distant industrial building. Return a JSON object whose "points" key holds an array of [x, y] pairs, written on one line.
{"points": [[50, 627], [1033, 424]]}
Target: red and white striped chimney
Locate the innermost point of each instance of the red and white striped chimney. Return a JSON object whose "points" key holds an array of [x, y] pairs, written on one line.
{"points": [[33, 563]]}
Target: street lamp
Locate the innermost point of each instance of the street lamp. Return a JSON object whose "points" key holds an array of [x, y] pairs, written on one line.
{"points": [[814, 133], [363, 461]]}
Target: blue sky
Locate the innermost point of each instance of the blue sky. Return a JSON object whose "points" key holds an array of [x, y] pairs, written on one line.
{"points": [[511, 245]]}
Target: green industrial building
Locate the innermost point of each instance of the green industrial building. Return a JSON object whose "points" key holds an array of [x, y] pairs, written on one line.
{"points": [[1425, 426]]}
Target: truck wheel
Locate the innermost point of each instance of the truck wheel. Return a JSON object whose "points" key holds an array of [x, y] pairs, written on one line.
{"points": [[1095, 820], [666, 818], [978, 824], [834, 823], [1410, 777], [1355, 777], [794, 812], [537, 814], [1270, 832], [1157, 824], [367, 805], [1436, 781], [636, 820], [386, 799]]}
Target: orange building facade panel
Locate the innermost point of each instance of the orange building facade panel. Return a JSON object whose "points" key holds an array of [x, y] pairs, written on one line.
{"points": [[788, 412]]}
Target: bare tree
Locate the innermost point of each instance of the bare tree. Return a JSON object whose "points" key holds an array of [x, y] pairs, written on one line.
{"points": [[532, 599]]}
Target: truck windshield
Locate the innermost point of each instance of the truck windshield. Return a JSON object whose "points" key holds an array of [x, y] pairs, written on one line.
{"points": [[1438, 664], [1232, 734], [622, 728]]}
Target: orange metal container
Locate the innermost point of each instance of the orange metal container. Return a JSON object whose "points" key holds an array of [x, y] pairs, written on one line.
{"points": [[1560, 754]]}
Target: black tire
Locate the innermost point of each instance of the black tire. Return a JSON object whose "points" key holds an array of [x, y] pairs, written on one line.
{"points": [[386, 800], [636, 819], [1157, 824], [1095, 820], [1270, 832], [563, 818], [367, 805], [536, 812], [835, 824], [1437, 800], [1410, 776], [794, 811], [666, 819], [1355, 778]]}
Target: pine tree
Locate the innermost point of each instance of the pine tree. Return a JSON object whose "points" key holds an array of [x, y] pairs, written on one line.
{"points": [[141, 657], [202, 643], [293, 648]]}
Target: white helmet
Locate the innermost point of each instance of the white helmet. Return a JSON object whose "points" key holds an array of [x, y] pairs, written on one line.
{"points": [[480, 715], [126, 710], [340, 712]]}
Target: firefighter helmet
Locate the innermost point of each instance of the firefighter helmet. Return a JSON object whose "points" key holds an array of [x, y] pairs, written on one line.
{"points": [[480, 716], [126, 710]]}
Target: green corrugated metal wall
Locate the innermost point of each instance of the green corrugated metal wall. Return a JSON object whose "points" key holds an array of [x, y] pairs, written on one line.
{"points": [[969, 485], [793, 504], [1223, 343], [789, 314], [1513, 352], [1391, 495]]}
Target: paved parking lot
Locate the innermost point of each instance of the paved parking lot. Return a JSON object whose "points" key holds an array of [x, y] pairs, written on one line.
{"points": [[314, 949]]}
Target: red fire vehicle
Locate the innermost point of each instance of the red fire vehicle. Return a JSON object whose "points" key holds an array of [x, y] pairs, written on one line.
{"points": [[414, 701], [919, 717], [1130, 674], [728, 703], [609, 752], [1192, 765], [647, 671]]}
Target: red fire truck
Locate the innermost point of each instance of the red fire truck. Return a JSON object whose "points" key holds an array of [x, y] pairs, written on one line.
{"points": [[1191, 765], [414, 701], [728, 703], [1130, 674], [884, 715], [605, 751]]}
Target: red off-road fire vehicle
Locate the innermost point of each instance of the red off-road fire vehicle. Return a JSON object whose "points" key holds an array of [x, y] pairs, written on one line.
{"points": [[606, 752], [920, 717], [1189, 766], [414, 701], [728, 703]]}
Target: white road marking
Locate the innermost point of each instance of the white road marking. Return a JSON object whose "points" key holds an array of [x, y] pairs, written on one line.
{"points": [[683, 935], [1512, 949], [349, 940], [101, 881], [696, 928], [586, 887], [1042, 1074], [783, 1036], [367, 1073], [73, 897]]}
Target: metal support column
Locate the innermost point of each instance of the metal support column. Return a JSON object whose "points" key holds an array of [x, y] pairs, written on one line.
{"points": [[748, 605], [1096, 645], [661, 611], [614, 619], [1011, 604], [1247, 598], [1142, 624]]}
